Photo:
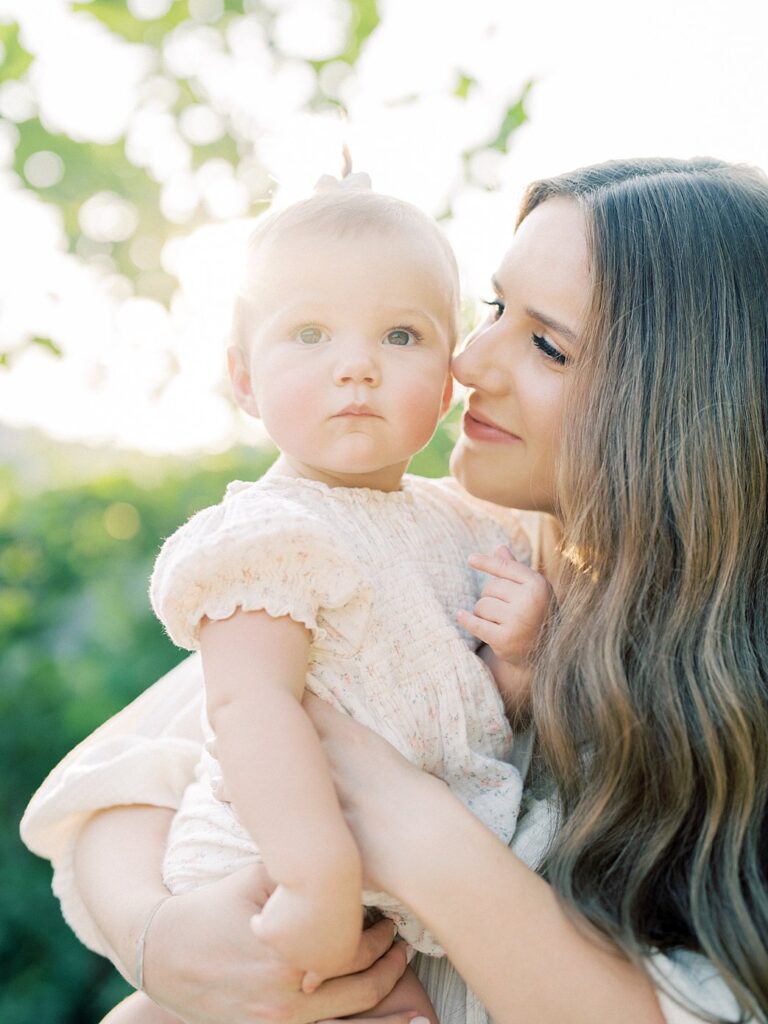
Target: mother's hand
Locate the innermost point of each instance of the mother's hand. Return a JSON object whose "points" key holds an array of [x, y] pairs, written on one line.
{"points": [[381, 793], [204, 963]]}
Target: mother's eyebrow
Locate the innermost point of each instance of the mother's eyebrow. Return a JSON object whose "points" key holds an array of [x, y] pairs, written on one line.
{"points": [[535, 314], [554, 325]]}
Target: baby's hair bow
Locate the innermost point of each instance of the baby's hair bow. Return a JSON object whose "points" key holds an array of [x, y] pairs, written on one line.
{"points": [[359, 181]]}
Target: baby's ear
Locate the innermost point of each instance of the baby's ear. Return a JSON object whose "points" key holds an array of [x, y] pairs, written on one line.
{"points": [[240, 378], [445, 402]]}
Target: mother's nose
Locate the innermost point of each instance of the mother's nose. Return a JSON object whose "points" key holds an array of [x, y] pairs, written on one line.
{"points": [[480, 364]]}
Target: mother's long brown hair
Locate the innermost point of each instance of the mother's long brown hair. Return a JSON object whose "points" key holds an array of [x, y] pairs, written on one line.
{"points": [[651, 698]]}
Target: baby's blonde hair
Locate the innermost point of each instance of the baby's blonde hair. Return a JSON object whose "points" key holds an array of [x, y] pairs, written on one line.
{"points": [[341, 212]]}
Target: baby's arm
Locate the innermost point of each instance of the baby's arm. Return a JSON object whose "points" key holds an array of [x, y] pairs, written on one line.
{"points": [[279, 783]]}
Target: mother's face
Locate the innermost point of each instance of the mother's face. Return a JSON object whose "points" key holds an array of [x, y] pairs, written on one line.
{"points": [[517, 362]]}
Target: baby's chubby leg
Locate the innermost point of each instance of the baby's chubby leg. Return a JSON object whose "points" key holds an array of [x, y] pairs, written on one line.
{"points": [[139, 1009], [408, 995]]}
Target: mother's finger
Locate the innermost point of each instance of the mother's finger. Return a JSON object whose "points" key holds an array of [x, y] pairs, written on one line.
{"points": [[374, 943], [359, 993], [375, 940]]}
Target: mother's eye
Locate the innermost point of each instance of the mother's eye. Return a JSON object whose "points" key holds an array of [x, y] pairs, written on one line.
{"points": [[548, 349], [498, 305]]}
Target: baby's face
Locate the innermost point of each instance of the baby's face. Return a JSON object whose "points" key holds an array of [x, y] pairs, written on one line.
{"points": [[349, 351]]}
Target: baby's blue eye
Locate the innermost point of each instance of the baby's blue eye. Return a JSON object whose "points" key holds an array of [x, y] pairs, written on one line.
{"points": [[400, 337], [310, 335]]}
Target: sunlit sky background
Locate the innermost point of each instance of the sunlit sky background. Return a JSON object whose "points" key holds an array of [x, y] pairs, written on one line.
{"points": [[671, 77]]}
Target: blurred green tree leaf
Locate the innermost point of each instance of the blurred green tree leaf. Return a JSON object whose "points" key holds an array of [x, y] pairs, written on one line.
{"points": [[15, 59], [118, 18], [514, 117]]}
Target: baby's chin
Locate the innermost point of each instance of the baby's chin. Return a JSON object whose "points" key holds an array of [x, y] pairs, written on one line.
{"points": [[356, 469]]}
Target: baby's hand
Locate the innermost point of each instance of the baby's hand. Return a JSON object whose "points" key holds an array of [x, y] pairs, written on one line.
{"points": [[512, 607], [312, 931]]}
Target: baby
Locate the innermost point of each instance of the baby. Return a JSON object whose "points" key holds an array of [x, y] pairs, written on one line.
{"points": [[338, 573]]}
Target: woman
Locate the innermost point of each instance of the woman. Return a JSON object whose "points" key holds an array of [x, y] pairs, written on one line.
{"points": [[620, 382]]}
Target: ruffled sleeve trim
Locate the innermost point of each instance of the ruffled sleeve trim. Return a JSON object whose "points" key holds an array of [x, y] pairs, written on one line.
{"points": [[259, 552]]}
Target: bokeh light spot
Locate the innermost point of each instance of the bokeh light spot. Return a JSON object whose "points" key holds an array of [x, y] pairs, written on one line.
{"points": [[44, 169], [206, 10], [145, 252], [313, 29], [107, 217], [146, 10], [122, 521], [17, 101], [15, 607], [201, 125]]}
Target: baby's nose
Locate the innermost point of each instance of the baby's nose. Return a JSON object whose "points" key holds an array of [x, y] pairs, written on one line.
{"points": [[357, 368]]}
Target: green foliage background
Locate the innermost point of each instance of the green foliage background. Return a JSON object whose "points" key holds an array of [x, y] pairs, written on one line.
{"points": [[77, 637]]}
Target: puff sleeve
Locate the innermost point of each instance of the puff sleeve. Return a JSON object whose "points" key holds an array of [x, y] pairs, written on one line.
{"points": [[259, 551]]}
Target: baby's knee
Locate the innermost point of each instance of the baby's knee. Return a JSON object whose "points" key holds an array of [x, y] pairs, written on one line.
{"points": [[139, 1009]]}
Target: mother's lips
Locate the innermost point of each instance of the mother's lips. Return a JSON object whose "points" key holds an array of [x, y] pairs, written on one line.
{"points": [[484, 429]]}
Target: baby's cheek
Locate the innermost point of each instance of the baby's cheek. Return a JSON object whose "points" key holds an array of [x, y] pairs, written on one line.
{"points": [[301, 389], [422, 411], [291, 411]]}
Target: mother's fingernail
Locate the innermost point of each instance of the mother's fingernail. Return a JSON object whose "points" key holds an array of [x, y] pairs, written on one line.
{"points": [[419, 1020], [409, 951], [310, 983]]}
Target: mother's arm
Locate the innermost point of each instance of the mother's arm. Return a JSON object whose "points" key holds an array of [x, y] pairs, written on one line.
{"points": [[500, 923], [202, 960]]}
